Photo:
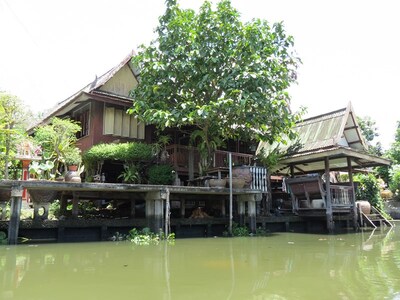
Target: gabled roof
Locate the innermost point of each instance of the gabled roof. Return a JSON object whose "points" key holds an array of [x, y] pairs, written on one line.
{"points": [[335, 135], [93, 89], [337, 128]]}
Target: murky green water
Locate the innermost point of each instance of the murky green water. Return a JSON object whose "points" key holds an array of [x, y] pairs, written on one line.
{"points": [[281, 266]]}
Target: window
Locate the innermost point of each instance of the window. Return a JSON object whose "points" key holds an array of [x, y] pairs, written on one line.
{"points": [[118, 123], [82, 116]]}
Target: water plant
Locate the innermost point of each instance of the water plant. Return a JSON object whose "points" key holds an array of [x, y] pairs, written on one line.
{"points": [[144, 237], [238, 230]]}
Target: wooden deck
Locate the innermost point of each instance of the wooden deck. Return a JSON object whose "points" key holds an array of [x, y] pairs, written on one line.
{"points": [[154, 199]]}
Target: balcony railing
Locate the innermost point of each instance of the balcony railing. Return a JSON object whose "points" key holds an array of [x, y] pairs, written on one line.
{"points": [[181, 156]]}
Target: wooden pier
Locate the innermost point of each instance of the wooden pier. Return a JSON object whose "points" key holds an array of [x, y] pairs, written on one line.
{"points": [[154, 198]]}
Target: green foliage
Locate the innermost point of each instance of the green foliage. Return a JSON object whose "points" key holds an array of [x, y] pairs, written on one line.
{"points": [[42, 170], [13, 123], [128, 152], [394, 151], [57, 140], [146, 237], [394, 185], [383, 172], [209, 70], [73, 157], [368, 128], [54, 209], [131, 173], [271, 159], [368, 189], [161, 174], [238, 230]]}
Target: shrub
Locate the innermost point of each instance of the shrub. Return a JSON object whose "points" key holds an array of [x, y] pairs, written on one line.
{"points": [[394, 184], [368, 189], [124, 152], [161, 174]]}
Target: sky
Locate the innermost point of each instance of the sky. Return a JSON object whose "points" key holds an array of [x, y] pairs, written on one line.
{"points": [[349, 49]]}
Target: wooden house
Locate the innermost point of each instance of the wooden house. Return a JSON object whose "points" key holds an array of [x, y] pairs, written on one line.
{"points": [[100, 107], [326, 143]]}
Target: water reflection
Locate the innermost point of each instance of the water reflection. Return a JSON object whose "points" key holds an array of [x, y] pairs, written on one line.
{"points": [[281, 266]]}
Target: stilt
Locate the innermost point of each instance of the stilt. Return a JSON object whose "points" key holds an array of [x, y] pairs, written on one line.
{"points": [[329, 213], [154, 210], [75, 204], [63, 204], [251, 207], [251, 200], [183, 208], [223, 208], [133, 207], [241, 212], [16, 203]]}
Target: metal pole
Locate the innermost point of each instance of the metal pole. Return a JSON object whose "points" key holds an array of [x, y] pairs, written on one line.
{"points": [[230, 194], [167, 214]]}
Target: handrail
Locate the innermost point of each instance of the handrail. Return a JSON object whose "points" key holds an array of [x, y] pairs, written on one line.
{"points": [[381, 214], [179, 157]]}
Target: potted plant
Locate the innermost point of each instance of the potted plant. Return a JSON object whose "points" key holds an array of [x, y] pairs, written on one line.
{"points": [[43, 170], [73, 158]]}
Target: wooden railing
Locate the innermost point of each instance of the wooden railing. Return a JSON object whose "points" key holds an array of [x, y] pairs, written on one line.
{"points": [[309, 191], [221, 158], [181, 156], [259, 178], [341, 195]]}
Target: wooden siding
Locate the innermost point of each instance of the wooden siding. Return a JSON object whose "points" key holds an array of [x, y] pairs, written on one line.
{"points": [[121, 83]]}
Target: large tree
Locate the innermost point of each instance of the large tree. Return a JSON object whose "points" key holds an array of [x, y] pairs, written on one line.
{"points": [[13, 123], [210, 70], [370, 132], [394, 151]]}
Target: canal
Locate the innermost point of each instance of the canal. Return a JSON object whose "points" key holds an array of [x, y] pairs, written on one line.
{"points": [[363, 265]]}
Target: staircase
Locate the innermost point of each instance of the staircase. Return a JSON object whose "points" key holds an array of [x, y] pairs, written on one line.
{"points": [[374, 219]]}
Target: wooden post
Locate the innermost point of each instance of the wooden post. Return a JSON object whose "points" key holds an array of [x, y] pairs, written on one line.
{"points": [[63, 204], [75, 204], [133, 206], [183, 208], [223, 209], [329, 213], [16, 203], [353, 196], [191, 163]]}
